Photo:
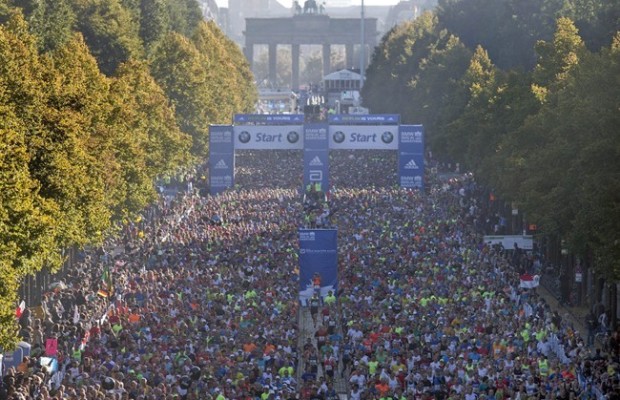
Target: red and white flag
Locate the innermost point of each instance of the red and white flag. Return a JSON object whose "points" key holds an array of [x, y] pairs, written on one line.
{"points": [[529, 281], [20, 309]]}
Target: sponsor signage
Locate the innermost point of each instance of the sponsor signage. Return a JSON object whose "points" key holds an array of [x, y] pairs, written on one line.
{"points": [[316, 136], [269, 118], [316, 157], [411, 156], [221, 158], [318, 258], [411, 170], [316, 169], [221, 172], [379, 137], [525, 242], [274, 137], [389, 119]]}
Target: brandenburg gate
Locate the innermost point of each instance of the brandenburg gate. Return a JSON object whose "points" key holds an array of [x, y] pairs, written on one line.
{"points": [[308, 28]]}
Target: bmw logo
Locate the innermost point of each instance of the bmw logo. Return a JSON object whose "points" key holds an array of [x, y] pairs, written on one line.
{"points": [[387, 137], [292, 137], [339, 137], [245, 137]]}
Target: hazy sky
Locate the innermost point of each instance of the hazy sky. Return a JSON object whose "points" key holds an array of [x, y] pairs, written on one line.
{"points": [[289, 3]]}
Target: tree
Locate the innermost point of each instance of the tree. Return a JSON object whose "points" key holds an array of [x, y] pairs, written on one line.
{"points": [[52, 22], [557, 58], [110, 31], [179, 69], [28, 228], [154, 22], [142, 106], [73, 159]]}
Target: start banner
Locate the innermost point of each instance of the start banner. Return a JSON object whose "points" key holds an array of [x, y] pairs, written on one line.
{"points": [[269, 137], [367, 137]]}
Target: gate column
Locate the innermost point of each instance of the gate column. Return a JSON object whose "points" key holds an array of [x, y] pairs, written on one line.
{"points": [[273, 58], [295, 66], [327, 53]]}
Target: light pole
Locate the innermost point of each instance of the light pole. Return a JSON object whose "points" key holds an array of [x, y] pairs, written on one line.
{"points": [[362, 50]]}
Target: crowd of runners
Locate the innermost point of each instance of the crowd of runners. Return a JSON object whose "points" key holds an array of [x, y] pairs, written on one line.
{"points": [[199, 300]]}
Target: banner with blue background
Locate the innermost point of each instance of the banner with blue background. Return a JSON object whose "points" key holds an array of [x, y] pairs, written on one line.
{"points": [[318, 259], [316, 156], [411, 156], [221, 158]]}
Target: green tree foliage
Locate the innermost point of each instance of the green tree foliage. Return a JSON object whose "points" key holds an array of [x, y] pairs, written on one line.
{"points": [[179, 68], [27, 221], [418, 69], [80, 150], [396, 62], [185, 15], [557, 58], [235, 64], [154, 22], [52, 22], [72, 155], [508, 29], [110, 32], [142, 105]]}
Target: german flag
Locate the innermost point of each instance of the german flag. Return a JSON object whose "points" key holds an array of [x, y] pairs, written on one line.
{"points": [[103, 293]]}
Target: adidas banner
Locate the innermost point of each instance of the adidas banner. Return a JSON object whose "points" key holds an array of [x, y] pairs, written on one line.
{"points": [[268, 137], [221, 158], [411, 170], [316, 170], [411, 156], [318, 263], [316, 157], [369, 137], [221, 172]]}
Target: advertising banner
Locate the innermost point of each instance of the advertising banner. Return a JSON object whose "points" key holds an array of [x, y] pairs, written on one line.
{"points": [[411, 156], [411, 170], [269, 137], [316, 136], [221, 158], [221, 172], [369, 137], [316, 157], [316, 169], [221, 139], [318, 262], [524, 242], [287, 119], [361, 119]]}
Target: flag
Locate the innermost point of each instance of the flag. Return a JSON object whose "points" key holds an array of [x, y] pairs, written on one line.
{"points": [[529, 281], [76, 315], [106, 280], [20, 309], [103, 293]]}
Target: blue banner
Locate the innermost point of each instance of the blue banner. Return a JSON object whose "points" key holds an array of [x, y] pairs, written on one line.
{"points": [[221, 158], [316, 170], [221, 139], [411, 156], [411, 170], [361, 119], [274, 119], [316, 136], [318, 263], [316, 157]]}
